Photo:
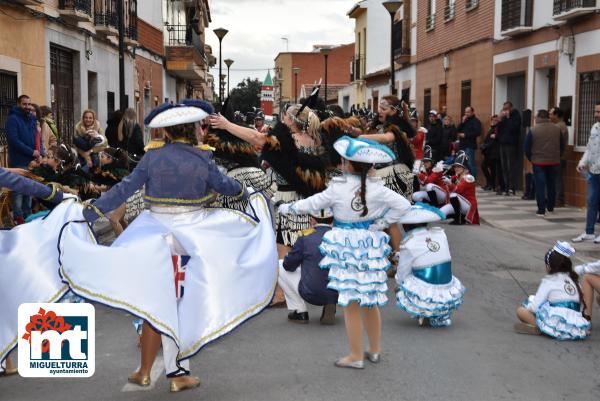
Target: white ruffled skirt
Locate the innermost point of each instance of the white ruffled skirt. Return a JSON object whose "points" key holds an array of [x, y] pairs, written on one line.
{"points": [[561, 323], [433, 301], [357, 260]]}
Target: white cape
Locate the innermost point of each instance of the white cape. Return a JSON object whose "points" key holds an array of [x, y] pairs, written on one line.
{"points": [[29, 266], [230, 277]]}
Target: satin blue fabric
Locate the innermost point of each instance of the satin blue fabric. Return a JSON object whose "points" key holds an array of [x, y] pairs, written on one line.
{"points": [[576, 306], [353, 225], [438, 274]]}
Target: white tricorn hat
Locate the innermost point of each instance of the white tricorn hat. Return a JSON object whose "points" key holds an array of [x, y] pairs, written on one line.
{"points": [[363, 150], [188, 111], [420, 213]]}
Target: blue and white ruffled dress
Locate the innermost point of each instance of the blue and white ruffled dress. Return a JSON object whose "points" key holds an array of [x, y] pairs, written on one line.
{"points": [[432, 293], [357, 260], [561, 320]]}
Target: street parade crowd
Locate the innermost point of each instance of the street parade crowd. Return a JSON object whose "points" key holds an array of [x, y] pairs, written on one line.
{"points": [[335, 204]]}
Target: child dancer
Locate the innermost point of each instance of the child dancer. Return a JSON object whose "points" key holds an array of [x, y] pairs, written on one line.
{"points": [[433, 188], [426, 287], [555, 310], [463, 200], [356, 249]]}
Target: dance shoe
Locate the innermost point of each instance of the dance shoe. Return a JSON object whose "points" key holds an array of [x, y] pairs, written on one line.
{"points": [[139, 379], [184, 383], [352, 365], [373, 357], [298, 317]]}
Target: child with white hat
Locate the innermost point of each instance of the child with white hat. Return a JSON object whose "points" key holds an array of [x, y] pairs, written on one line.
{"points": [[427, 290], [356, 249]]}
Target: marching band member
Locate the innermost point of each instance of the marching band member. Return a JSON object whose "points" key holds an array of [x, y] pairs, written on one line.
{"points": [[356, 249], [556, 308], [179, 180], [463, 198], [433, 187], [427, 290]]}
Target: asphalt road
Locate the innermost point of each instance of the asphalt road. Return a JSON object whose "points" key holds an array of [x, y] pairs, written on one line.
{"points": [[268, 358]]}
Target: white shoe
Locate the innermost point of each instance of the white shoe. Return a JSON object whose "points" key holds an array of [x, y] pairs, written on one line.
{"points": [[597, 240], [585, 237]]}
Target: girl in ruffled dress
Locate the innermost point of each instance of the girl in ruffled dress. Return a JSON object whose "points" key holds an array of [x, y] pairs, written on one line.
{"points": [[556, 308], [427, 290], [356, 249]]}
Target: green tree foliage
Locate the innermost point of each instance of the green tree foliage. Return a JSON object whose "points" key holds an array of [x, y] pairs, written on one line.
{"points": [[246, 95]]}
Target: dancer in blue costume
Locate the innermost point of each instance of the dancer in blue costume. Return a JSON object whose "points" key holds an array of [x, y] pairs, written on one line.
{"points": [[356, 249], [180, 181], [427, 290], [556, 308]]}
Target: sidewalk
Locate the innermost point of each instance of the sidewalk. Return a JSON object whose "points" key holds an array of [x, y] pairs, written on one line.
{"points": [[517, 216]]}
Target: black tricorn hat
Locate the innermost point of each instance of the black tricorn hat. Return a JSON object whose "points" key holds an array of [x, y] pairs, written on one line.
{"points": [[461, 160], [427, 153]]}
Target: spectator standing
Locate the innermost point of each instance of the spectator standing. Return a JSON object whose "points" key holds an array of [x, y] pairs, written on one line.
{"points": [[112, 125], [490, 149], [544, 147], [449, 137], [49, 130], [435, 135], [130, 137], [557, 117], [468, 131], [509, 129], [590, 162], [22, 149]]}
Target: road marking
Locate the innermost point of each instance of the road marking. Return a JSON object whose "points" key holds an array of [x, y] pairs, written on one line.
{"points": [[157, 369]]}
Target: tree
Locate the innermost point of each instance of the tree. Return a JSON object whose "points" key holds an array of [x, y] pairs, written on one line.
{"points": [[245, 95]]}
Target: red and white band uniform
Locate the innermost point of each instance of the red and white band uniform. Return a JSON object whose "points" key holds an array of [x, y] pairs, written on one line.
{"points": [[463, 188], [432, 180]]}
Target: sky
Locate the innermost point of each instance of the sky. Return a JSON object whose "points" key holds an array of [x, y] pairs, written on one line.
{"points": [[256, 28]]}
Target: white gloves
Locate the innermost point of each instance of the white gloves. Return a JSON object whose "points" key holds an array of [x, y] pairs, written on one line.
{"points": [[284, 209]]}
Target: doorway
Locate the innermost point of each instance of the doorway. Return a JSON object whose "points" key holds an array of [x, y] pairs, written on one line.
{"points": [[61, 87], [516, 93]]}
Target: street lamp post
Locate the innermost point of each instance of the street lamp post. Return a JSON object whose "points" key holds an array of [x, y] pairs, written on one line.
{"points": [[228, 62], [121, 28], [220, 32], [325, 52], [392, 6], [296, 70]]}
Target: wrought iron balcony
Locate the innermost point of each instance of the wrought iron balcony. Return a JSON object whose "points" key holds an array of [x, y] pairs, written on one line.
{"points": [[449, 12], [76, 10], [567, 9], [430, 22], [185, 53], [358, 70], [517, 17], [471, 4]]}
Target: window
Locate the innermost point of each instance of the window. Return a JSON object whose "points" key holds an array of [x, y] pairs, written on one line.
{"points": [[406, 95], [589, 93], [110, 102], [430, 21], [471, 4], [449, 10], [465, 95], [516, 13], [426, 106], [566, 105]]}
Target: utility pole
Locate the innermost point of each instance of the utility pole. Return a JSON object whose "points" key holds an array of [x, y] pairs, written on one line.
{"points": [[121, 22]]}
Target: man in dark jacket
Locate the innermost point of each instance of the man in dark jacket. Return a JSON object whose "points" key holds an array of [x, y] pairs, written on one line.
{"points": [[509, 130], [468, 131], [22, 149], [490, 149], [435, 136], [544, 146], [557, 117], [310, 283]]}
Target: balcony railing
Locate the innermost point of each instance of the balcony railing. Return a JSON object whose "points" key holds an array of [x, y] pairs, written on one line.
{"points": [[105, 13], [563, 6], [430, 22], [471, 4], [449, 12], [357, 68], [131, 21], [184, 35], [516, 14], [85, 6]]}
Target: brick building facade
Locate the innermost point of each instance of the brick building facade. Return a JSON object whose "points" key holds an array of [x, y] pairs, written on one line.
{"points": [[311, 69]]}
